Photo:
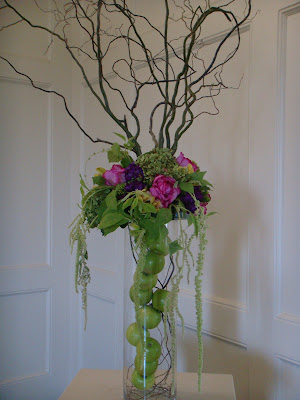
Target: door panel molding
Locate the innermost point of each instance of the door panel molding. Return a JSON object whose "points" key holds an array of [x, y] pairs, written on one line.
{"points": [[283, 15], [48, 162], [48, 310], [221, 320]]}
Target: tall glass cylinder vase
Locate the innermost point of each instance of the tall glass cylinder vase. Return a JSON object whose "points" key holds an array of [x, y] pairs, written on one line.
{"points": [[149, 365]]}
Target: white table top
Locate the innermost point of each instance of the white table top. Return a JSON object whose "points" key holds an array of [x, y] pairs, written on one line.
{"points": [[98, 384]]}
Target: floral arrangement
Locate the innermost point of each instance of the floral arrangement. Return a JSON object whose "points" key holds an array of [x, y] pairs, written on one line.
{"points": [[145, 195]]}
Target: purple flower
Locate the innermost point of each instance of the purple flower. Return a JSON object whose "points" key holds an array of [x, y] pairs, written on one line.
{"points": [[133, 171], [188, 201], [134, 185], [199, 195]]}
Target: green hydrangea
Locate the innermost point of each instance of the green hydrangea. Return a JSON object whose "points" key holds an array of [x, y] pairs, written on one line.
{"points": [[120, 189], [161, 162]]}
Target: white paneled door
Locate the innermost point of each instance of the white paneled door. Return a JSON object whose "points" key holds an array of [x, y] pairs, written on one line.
{"points": [[35, 142]]}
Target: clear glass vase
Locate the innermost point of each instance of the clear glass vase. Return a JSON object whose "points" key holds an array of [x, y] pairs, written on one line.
{"points": [[149, 363]]}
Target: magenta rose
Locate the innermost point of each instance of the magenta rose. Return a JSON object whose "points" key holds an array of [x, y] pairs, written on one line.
{"points": [[163, 189], [115, 175], [184, 162]]}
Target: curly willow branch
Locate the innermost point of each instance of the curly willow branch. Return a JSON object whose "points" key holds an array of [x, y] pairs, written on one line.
{"points": [[171, 65]]}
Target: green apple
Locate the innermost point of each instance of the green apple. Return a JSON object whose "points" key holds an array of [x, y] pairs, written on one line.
{"points": [[160, 246], [141, 382], [145, 368], [154, 263], [133, 334], [147, 281], [150, 318], [148, 350], [159, 299], [144, 296]]}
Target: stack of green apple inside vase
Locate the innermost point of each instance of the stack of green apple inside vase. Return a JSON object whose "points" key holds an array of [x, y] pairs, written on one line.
{"points": [[152, 302]]}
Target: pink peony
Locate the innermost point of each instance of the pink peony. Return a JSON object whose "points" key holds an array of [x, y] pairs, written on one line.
{"points": [[115, 175], [184, 162], [163, 189]]}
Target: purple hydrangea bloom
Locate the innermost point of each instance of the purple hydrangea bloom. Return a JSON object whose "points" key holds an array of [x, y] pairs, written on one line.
{"points": [[188, 201], [198, 193], [134, 185], [133, 171]]}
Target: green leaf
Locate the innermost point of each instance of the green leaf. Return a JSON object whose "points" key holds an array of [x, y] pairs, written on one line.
{"points": [[153, 230], [197, 176], [111, 200], [82, 183], [164, 216], [112, 218], [136, 214], [107, 211], [112, 228], [98, 180], [114, 154], [122, 212], [180, 204], [126, 161], [134, 203], [174, 247], [120, 136], [206, 183], [147, 207], [187, 187], [130, 144], [211, 213], [141, 206], [113, 157], [101, 209], [192, 220], [82, 192], [127, 203]]}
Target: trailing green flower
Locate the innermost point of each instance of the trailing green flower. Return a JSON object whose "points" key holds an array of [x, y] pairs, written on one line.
{"points": [[182, 259], [82, 272], [201, 223]]}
